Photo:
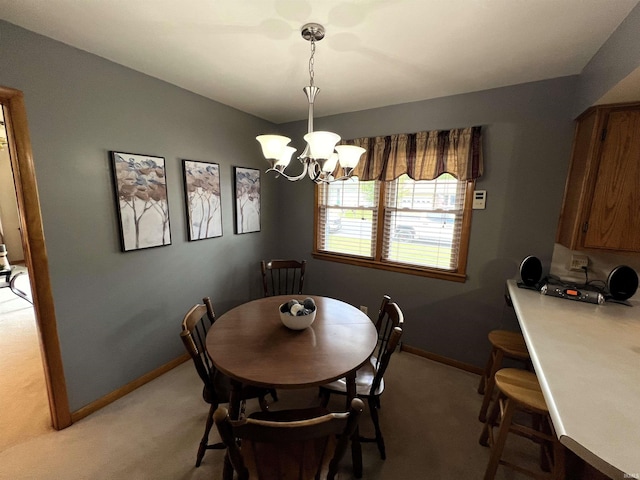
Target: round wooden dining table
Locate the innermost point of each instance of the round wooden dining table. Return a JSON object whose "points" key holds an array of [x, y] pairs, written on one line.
{"points": [[251, 345]]}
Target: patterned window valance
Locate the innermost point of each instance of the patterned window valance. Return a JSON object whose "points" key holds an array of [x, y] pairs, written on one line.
{"points": [[422, 155]]}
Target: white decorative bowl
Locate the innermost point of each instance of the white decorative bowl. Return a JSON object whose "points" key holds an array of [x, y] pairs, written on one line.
{"points": [[296, 322]]}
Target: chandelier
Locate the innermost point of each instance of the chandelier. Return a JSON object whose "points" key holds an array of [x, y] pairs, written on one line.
{"points": [[321, 154]]}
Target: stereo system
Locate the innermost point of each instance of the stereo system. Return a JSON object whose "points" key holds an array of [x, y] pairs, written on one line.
{"points": [[622, 284], [572, 293]]}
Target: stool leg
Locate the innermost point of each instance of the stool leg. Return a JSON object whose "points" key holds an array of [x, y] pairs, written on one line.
{"points": [[491, 381], [486, 372], [491, 421], [498, 446]]}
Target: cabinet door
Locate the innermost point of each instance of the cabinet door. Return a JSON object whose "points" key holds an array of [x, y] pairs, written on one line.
{"points": [[579, 180], [614, 216]]}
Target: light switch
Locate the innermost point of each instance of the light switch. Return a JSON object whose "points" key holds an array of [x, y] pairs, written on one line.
{"points": [[479, 199]]}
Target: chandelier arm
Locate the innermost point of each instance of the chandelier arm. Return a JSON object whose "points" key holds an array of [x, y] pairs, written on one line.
{"points": [[339, 179], [289, 177], [347, 173], [315, 172]]}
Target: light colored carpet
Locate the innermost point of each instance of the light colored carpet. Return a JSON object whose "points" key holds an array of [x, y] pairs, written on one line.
{"points": [[24, 408], [429, 419]]}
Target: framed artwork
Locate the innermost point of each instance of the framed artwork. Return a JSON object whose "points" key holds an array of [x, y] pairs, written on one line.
{"points": [[141, 200], [202, 192], [247, 193]]}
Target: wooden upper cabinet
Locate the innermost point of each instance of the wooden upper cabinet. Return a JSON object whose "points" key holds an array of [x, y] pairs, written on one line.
{"points": [[601, 206]]}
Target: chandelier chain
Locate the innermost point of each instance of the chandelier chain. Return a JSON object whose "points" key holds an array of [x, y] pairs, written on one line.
{"points": [[311, 61]]}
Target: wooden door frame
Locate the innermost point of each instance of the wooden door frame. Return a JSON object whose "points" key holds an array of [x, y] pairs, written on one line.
{"points": [[35, 252]]}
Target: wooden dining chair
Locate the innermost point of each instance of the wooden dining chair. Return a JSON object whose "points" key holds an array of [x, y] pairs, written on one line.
{"points": [[217, 386], [300, 444], [370, 377], [282, 277]]}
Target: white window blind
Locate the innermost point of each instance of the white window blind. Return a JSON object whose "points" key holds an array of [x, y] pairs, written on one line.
{"points": [[347, 217], [423, 221]]}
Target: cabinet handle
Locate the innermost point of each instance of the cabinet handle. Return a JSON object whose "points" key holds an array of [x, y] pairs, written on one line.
{"points": [[585, 227]]}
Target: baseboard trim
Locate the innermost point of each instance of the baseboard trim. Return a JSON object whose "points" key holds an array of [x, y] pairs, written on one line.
{"points": [[126, 389], [441, 359]]}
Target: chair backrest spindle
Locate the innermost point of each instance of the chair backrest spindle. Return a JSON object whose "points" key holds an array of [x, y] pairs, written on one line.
{"points": [[383, 361], [282, 277], [389, 317], [195, 325]]}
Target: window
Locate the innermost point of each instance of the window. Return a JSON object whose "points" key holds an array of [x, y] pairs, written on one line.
{"points": [[348, 217], [419, 227], [382, 218]]}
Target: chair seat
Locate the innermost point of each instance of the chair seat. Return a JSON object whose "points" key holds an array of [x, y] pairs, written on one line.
{"points": [[364, 379], [523, 387], [511, 343]]}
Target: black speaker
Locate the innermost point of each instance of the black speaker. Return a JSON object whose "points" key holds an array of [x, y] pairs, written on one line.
{"points": [[531, 271], [622, 282]]}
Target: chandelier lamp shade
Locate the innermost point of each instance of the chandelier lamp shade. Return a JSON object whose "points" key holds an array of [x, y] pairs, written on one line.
{"points": [[322, 154]]}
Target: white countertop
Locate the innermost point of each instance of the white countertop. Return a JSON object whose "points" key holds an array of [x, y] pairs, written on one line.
{"points": [[587, 359]]}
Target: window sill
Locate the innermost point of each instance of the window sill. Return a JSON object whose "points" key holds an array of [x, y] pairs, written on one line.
{"points": [[392, 267]]}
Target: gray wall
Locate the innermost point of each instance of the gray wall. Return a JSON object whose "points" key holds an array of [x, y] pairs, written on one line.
{"points": [[118, 313], [527, 140]]}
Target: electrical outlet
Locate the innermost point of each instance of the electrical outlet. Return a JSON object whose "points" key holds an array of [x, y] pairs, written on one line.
{"points": [[364, 309], [578, 262]]}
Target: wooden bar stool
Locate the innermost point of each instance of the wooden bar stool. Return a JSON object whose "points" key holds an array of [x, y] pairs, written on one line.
{"points": [[519, 391], [504, 344]]}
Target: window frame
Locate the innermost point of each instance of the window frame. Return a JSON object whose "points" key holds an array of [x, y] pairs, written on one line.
{"points": [[458, 275]]}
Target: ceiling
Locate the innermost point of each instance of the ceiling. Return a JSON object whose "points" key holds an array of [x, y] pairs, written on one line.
{"points": [[249, 54]]}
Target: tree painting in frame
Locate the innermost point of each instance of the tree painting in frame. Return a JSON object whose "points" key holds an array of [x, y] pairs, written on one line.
{"points": [[202, 190], [141, 200], [247, 192]]}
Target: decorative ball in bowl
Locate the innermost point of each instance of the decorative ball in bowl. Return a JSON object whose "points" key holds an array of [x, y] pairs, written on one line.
{"points": [[298, 315]]}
